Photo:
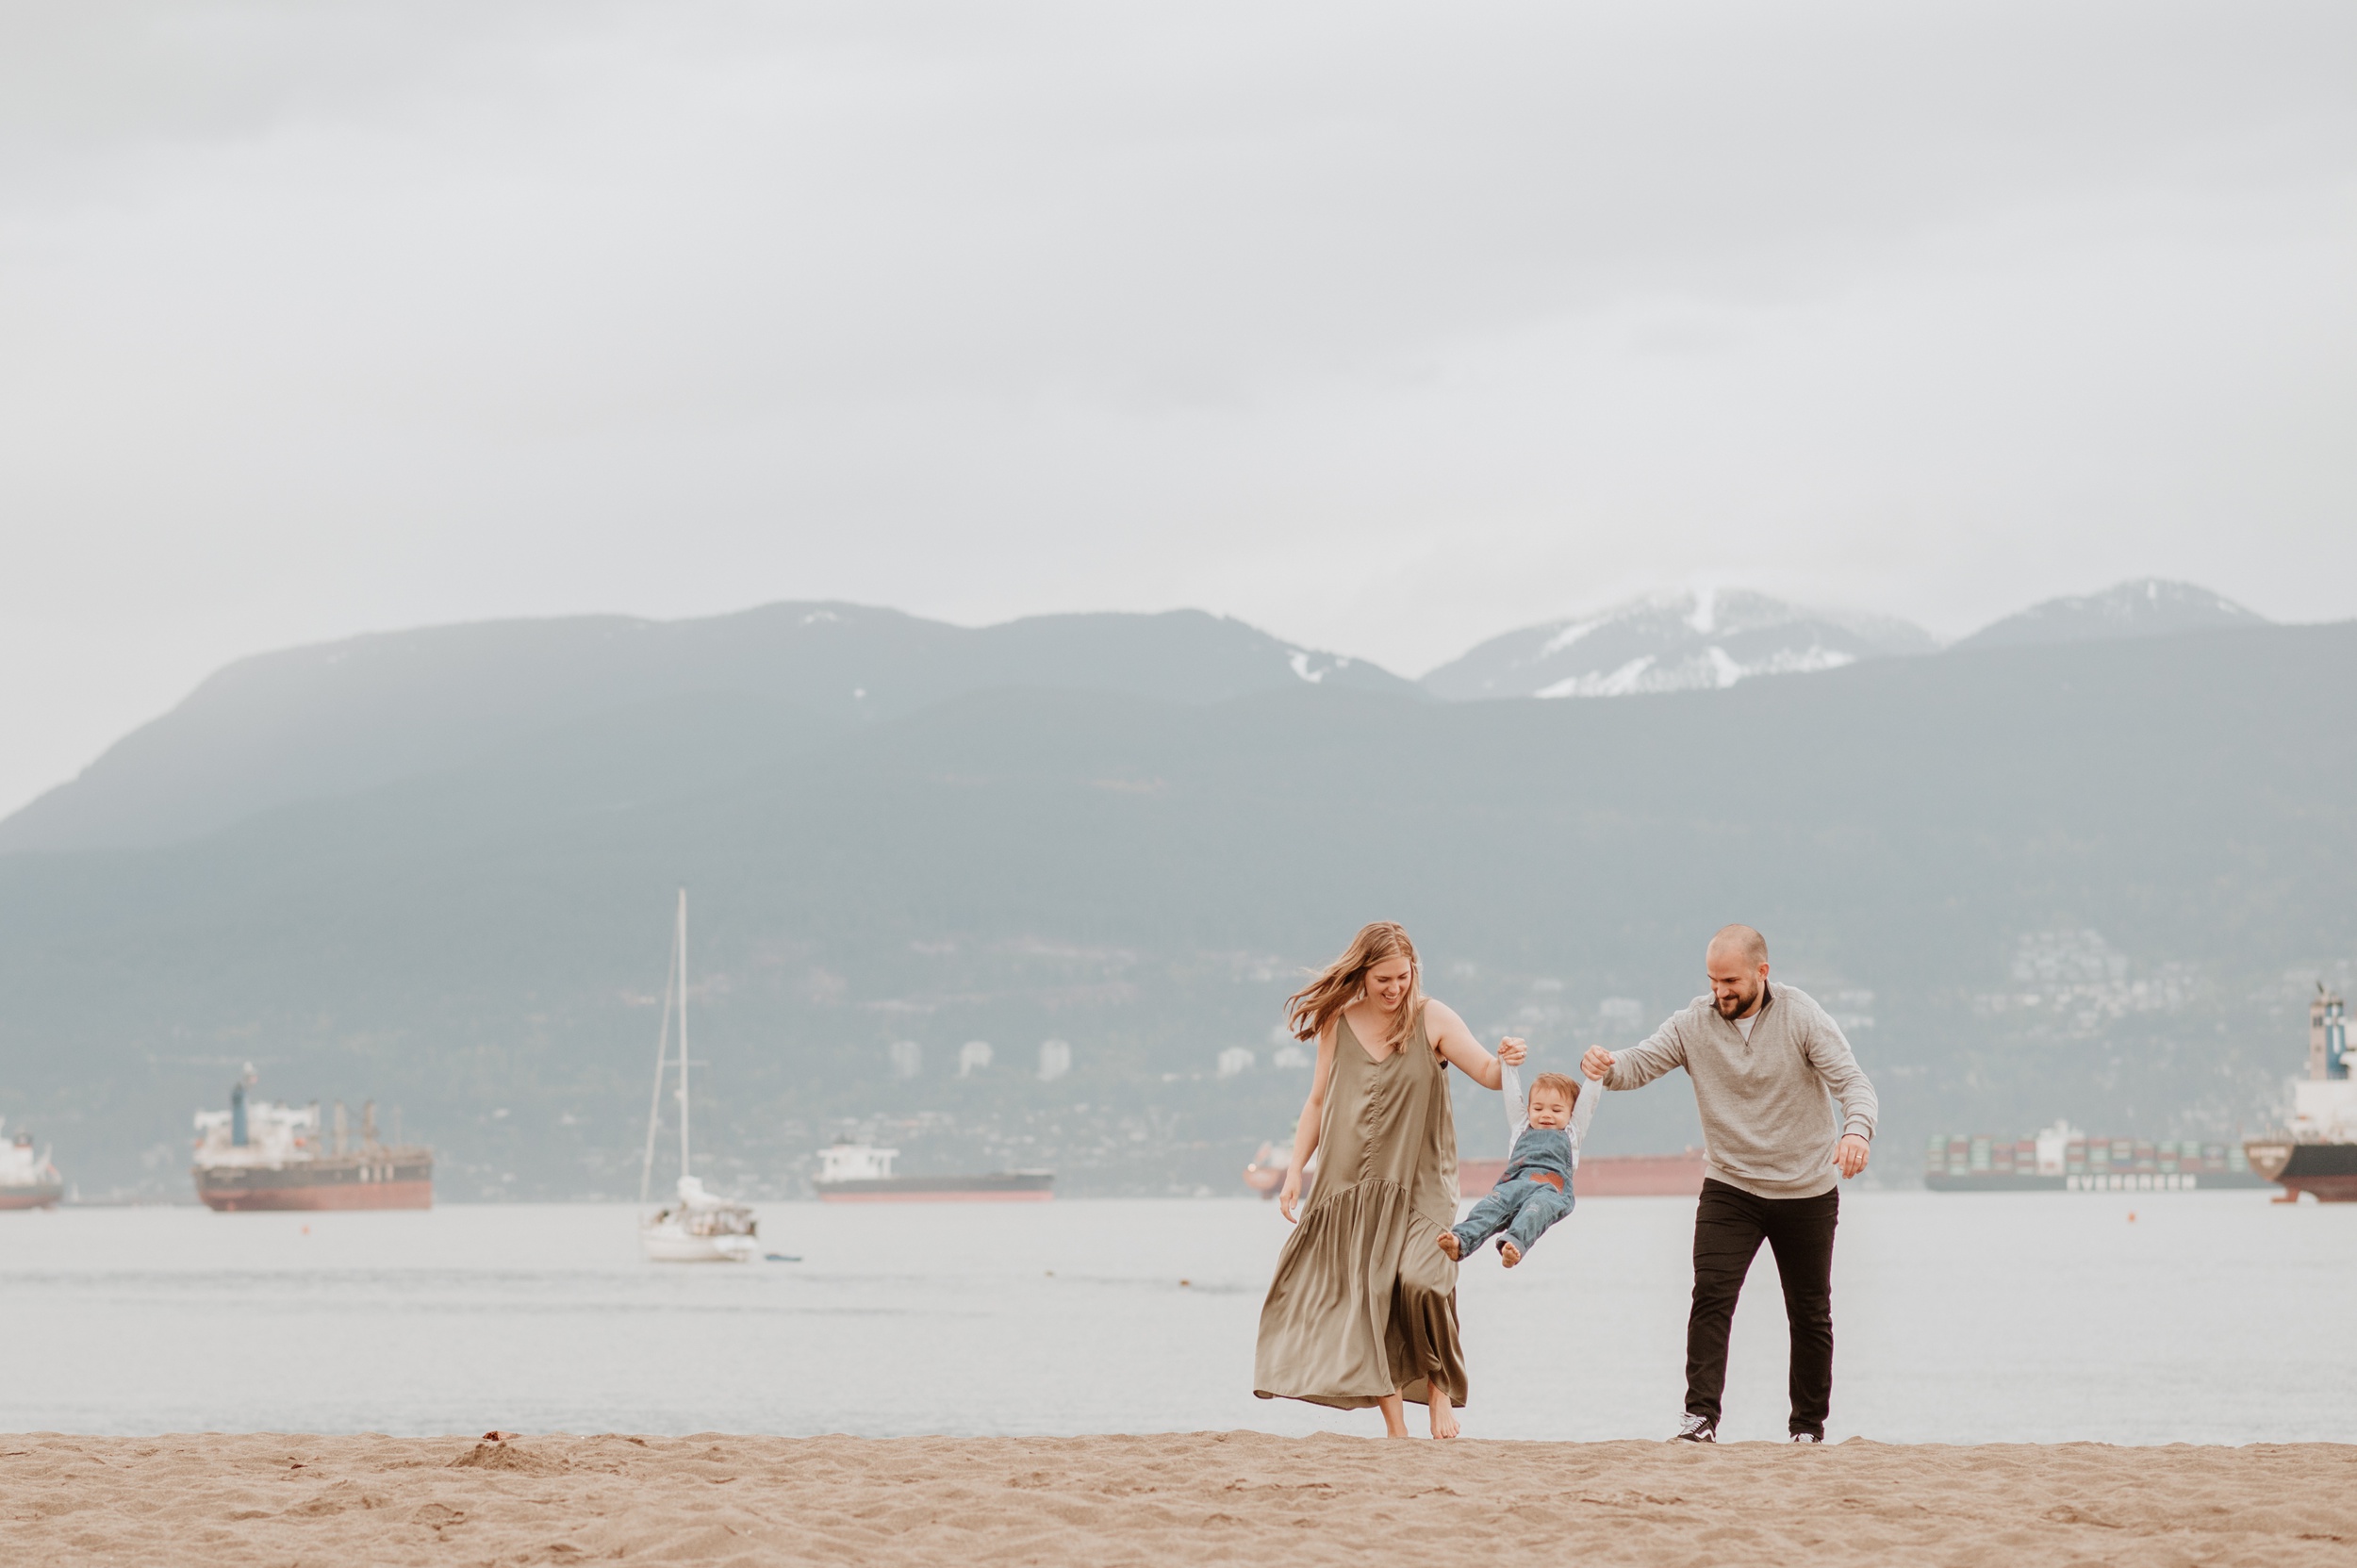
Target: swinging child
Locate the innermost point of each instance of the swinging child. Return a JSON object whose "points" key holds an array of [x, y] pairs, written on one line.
{"points": [[1535, 1190]]}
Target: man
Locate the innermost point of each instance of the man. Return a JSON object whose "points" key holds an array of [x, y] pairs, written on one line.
{"points": [[1763, 1059]]}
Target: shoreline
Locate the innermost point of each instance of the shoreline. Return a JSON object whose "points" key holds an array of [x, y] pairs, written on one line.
{"points": [[216, 1499]]}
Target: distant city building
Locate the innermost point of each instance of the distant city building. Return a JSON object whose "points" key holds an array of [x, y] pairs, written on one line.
{"points": [[1234, 1059], [1290, 1055], [1055, 1060], [908, 1059], [973, 1057]]}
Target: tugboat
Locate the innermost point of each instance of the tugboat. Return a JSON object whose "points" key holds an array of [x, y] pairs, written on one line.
{"points": [[2318, 1153], [262, 1155], [27, 1181], [696, 1227]]}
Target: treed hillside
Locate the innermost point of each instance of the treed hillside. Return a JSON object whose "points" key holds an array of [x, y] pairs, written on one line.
{"points": [[304, 723], [2090, 881]]}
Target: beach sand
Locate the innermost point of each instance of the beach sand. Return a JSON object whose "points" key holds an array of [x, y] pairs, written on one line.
{"points": [[1231, 1498]]}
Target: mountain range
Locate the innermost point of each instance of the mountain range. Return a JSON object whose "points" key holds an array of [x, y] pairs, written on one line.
{"points": [[328, 719], [314, 722], [2090, 877]]}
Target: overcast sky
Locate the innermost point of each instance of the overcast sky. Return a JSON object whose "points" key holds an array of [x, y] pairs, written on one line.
{"points": [[1386, 327]]}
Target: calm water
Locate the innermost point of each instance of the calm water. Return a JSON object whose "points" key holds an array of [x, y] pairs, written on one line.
{"points": [[2212, 1317]]}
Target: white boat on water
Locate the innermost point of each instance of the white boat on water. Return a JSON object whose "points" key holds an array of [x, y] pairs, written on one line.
{"points": [[696, 1227], [27, 1180]]}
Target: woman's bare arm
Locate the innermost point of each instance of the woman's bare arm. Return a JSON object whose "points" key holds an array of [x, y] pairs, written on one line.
{"points": [[1456, 1043], [1312, 1117]]}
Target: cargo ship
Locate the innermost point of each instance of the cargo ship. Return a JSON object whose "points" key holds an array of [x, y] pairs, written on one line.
{"points": [[262, 1155], [1677, 1175], [27, 1180], [2318, 1153], [1604, 1175], [861, 1173], [2062, 1158]]}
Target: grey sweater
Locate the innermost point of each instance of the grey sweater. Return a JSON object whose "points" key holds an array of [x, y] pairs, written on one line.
{"points": [[1767, 1123]]}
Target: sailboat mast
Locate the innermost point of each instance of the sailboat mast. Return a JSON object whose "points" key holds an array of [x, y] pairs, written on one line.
{"points": [[655, 1101], [682, 1031]]}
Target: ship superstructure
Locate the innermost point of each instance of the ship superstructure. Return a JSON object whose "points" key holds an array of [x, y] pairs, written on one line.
{"points": [[27, 1180], [2318, 1153], [260, 1154]]}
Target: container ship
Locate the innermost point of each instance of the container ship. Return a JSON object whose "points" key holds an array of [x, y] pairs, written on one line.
{"points": [[2062, 1158], [2318, 1153], [27, 1180], [262, 1155], [861, 1173]]}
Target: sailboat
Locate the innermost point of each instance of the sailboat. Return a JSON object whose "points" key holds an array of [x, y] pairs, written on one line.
{"points": [[696, 1227]]}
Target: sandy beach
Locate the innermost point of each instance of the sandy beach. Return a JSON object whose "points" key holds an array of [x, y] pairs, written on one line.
{"points": [[201, 1500]]}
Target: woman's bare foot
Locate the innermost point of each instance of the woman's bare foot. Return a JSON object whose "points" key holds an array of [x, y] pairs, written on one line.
{"points": [[1443, 1418], [1394, 1410], [1509, 1252], [1448, 1245]]}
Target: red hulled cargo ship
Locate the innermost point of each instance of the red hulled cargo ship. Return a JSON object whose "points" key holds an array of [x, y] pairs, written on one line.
{"points": [[1604, 1175], [260, 1155], [861, 1173]]}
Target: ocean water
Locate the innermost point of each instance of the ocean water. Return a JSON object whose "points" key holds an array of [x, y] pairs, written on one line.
{"points": [[2207, 1317]]}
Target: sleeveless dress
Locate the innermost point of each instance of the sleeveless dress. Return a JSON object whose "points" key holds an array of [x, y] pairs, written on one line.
{"points": [[1365, 1301]]}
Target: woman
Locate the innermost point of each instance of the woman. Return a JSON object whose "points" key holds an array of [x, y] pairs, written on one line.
{"points": [[1364, 1308]]}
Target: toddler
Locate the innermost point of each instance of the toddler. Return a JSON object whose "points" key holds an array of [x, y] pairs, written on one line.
{"points": [[1536, 1189]]}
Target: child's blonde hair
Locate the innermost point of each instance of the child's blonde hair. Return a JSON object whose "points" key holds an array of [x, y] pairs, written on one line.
{"points": [[1560, 1084]]}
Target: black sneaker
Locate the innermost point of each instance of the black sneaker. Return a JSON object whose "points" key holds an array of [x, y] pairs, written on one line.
{"points": [[1697, 1428]]}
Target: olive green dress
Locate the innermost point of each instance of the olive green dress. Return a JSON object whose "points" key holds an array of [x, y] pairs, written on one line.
{"points": [[1365, 1301]]}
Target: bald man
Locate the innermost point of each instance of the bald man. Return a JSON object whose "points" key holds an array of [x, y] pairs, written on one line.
{"points": [[1766, 1065]]}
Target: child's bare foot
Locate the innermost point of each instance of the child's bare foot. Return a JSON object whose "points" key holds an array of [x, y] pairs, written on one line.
{"points": [[1448, 1245], [1511, 1253], [1443, 1418]]}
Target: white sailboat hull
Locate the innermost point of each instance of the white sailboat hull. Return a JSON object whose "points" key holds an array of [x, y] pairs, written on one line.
{"points": [[664, 1243]]}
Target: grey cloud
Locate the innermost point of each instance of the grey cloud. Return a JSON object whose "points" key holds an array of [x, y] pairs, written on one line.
{"points": [[1388, 328]]}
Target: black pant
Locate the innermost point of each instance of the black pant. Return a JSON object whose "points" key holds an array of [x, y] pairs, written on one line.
{"points": [[1729, 1225]]}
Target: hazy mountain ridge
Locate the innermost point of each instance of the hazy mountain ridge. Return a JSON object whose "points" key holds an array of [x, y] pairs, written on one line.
{"points": [[334, 718], [1144, 880]]}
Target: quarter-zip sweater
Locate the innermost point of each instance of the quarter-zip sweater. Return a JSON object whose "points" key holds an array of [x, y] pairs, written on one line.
{"points": [[1766, 1102]]}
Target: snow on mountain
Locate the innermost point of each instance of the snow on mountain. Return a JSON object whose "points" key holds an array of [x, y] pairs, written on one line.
{"points": [[2146, 607], [1671, 642]]}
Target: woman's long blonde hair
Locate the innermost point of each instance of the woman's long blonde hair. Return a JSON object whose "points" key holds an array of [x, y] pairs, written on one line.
{"points": [[1309, 1010]]}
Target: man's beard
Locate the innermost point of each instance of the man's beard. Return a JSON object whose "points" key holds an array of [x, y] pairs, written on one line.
{"points": [[1730, 1008]]}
